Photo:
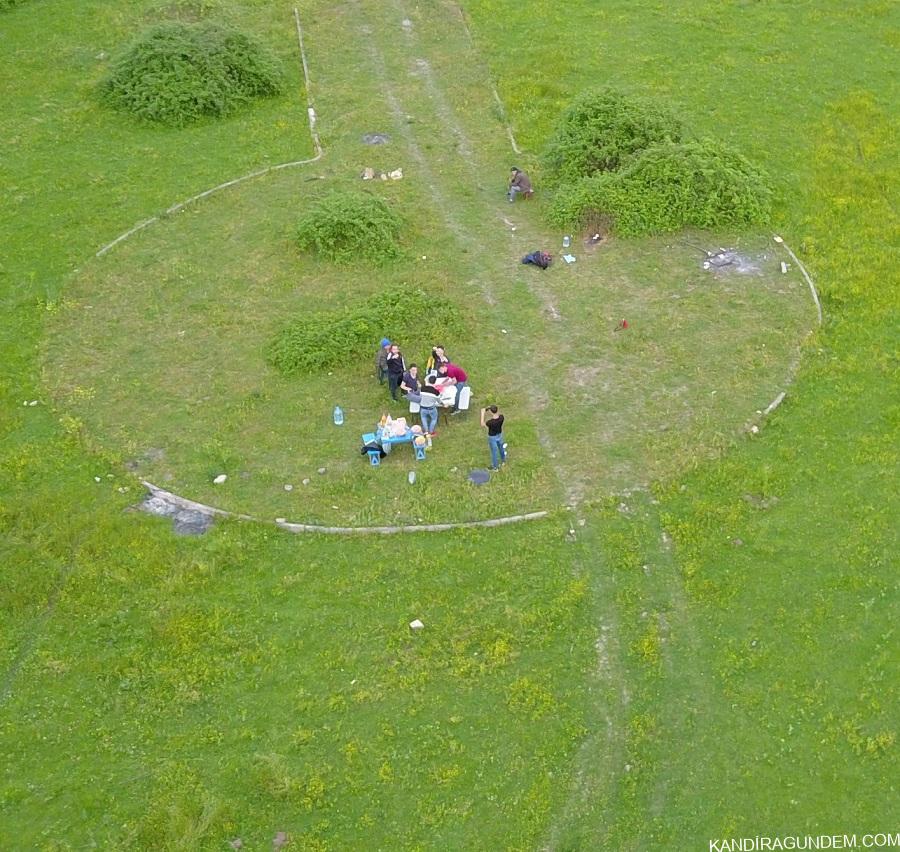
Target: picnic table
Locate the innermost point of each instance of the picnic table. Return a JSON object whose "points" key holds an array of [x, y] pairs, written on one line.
{"points": [[386, 441]]}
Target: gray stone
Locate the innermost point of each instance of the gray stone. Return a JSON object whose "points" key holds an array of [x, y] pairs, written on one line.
{"points": [[184, 521], [191, 522]]}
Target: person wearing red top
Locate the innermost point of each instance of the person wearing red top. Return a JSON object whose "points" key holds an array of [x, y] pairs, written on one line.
{"points": [[457, 375]]}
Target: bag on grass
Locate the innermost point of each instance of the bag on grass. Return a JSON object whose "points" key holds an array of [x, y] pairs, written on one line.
{"points": [[542, 259]]}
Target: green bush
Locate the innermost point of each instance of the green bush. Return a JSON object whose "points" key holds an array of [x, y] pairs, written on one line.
{"points": [[601, 130], [9, 4], [348, 226], [179, 72], [670, 186], [332, 338]]}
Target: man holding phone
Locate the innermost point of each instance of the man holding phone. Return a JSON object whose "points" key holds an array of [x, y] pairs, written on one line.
{"points": [[492, 420]]}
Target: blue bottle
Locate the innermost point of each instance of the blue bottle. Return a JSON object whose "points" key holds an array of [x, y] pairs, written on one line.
{"points": [[338, 416]]}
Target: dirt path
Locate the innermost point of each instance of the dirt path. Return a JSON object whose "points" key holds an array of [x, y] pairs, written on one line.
{"points": [[411, 50]]}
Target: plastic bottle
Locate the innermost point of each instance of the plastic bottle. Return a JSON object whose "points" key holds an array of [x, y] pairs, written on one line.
{"points": [[412, 477], [338, 416], [567, 241]]}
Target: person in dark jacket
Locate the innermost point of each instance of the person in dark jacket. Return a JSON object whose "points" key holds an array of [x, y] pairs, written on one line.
{"points": [[518, 182], [381, 360], [396, 367]]}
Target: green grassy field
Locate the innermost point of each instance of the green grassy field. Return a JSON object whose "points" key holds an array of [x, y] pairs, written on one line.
{"points": [[712, 657]]}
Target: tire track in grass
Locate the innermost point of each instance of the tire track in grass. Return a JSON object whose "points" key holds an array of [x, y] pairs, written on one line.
{"points": [[693, 688], [400, 115], [594, 781], [408, 46], [623, 782], [33, 635], [597, 766], [436, 95]]}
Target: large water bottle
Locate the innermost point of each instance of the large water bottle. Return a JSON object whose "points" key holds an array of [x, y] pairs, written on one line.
{"points": [[567, 241], [338, 416]]}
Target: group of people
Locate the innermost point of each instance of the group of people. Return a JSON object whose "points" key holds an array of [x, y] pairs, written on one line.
{"points": [[441, 386], [443, 381], [440, 371]]}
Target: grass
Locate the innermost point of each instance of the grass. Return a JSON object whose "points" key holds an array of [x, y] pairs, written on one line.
{"points": [[161, 343], [167, 693]]}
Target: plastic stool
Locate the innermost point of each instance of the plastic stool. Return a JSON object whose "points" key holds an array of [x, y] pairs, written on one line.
{"points": [[374, 455]]}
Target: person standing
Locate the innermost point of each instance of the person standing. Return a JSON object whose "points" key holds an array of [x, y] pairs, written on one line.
{"points": [[518, 182], [381, 360], [492, 420], [396, 367], [438, 357]]}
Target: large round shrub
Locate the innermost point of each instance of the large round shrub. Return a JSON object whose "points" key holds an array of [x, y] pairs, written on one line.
{"points": [[348, 226], [601, 130], [702, 184], [330, 339], [179, 72]]}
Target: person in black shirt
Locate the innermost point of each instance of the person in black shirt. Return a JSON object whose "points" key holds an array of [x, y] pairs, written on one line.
{"points": [[492, 420], [396, 366], [410, 384]]}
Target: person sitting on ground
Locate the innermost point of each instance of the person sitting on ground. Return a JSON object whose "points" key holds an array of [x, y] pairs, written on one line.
{"points": [[381, 360], [410, 383], [437, 358], [518, 182], [429, 399], [492, 420], [396, 367], [457, 376]]}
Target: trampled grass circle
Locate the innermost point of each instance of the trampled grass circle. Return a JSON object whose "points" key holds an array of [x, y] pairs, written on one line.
{"points": [[159, 357]]}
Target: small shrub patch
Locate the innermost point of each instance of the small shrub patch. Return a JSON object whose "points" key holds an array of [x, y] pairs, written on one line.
{"points": [[348, 226], [334, 338], [669, 186], [178, 72], [601, 130], [9, 4]]}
